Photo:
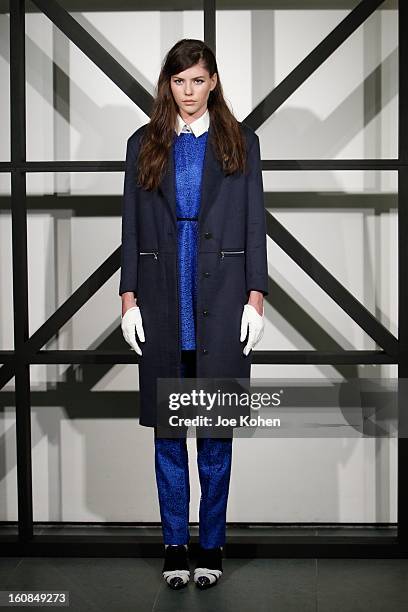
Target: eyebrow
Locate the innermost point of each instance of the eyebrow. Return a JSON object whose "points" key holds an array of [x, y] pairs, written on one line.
{"points": [[200, 76]]}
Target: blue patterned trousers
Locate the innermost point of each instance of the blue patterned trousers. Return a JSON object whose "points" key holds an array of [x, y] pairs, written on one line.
{"points": [[214, 457]]}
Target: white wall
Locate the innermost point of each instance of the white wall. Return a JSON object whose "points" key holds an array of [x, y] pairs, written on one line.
{"points": [[96, 469]]}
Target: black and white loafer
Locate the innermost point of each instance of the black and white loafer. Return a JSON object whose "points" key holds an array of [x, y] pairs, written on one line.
{"points": [[176, 571], [209, 567]]}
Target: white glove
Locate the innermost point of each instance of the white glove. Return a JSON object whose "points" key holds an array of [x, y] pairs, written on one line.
{"points": [[131, 320], [252, 319]]}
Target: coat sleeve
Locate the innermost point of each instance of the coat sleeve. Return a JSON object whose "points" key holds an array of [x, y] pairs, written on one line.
{"points": [[129, 250], [256, 264]]}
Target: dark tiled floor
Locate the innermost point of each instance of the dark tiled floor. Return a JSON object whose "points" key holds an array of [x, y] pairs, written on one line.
{"points": [[122, 584], [279, 585]]}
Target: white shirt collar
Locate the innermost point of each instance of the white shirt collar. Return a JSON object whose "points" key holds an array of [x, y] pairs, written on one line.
{"points": [[197, 127]]}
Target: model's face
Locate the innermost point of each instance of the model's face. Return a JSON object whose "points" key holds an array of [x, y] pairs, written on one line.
{"points": [[193, 85]]}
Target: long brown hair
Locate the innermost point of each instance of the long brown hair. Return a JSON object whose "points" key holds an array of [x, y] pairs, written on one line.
{"points": [[228, 140]]}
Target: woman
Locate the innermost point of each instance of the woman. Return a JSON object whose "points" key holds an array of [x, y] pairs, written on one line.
{"points": [[193, 278]]}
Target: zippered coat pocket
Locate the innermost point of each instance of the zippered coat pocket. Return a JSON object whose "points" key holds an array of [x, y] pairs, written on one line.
{"points": [[226, 253]]}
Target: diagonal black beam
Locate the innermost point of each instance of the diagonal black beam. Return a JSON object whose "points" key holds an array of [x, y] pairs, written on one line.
{"points": [[353, 307], [310, 63], [97, 54], [66, 311]]}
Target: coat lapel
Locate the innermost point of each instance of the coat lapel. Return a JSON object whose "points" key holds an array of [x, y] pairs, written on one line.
{"points": [[212, 177]]}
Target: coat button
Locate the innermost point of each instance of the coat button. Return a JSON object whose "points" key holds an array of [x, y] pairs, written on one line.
{"points": [[204, 351], [206, 274], [208, 235], [205, 312]]}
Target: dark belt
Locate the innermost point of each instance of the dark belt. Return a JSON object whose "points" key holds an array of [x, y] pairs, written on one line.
{"points": [[187, 218]]}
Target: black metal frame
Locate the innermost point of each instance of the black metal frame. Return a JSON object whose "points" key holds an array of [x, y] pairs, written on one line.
{"points": [[28, 348]]}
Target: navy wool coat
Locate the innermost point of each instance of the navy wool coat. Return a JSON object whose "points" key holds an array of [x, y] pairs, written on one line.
{"points": [[231, 261]]}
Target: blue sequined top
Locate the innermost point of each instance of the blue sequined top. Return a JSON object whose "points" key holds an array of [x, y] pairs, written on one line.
{"points": [[189, 151]]}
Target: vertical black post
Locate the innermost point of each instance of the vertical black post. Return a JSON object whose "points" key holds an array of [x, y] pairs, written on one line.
{"points": [[20, 277], [209, 24], [403, 270]]}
